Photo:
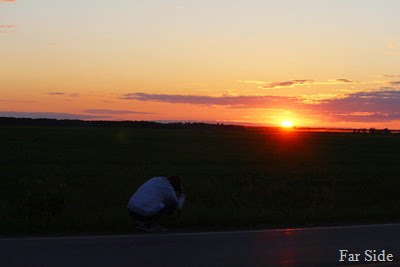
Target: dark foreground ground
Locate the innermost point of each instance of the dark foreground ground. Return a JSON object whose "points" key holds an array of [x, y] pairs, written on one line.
{"points": [[286, 247], [78, 179]]}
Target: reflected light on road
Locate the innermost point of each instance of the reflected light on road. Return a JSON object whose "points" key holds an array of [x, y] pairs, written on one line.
{"points": [[287, 255], [288, 232]]}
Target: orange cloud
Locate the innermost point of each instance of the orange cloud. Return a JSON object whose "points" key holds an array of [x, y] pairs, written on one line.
{"points": [[291, 83]]}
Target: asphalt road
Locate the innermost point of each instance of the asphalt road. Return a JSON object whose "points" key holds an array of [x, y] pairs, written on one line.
{"points": [[284, 247]]}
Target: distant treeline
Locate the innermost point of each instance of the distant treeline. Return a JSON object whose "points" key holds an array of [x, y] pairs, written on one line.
{"points": [[173, 125], [112, 124], [372, 131]]}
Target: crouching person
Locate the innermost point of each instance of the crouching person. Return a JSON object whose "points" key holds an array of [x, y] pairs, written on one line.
{"points": [[156, 198]]}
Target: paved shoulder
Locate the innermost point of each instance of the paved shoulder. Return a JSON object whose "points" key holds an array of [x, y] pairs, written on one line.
{"points": [[323, 246]]}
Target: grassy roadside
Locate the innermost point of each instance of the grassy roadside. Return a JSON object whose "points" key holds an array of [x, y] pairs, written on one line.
{"points": [[70, 179]]}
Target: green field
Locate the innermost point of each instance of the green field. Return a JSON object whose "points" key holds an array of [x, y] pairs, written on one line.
{"points": [[79, 179]]}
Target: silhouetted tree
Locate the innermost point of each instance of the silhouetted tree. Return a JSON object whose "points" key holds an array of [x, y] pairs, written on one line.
{"points": [[372, 131], [386, 131]]}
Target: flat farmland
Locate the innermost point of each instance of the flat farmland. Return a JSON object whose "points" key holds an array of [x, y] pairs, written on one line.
{"points": [[78, 179]]}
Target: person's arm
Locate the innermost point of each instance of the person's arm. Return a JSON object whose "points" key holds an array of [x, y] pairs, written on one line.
{"points": [[171, 201], [181, 200]]}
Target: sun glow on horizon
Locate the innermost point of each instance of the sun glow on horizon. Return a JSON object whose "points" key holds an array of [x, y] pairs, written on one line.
{"points": [[287, 124]]}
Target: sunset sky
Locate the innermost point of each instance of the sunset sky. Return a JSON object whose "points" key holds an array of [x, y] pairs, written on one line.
{"points": [[315, 63]]}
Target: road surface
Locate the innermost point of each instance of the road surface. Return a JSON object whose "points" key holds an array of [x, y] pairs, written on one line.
{"points": [[284, 247]]}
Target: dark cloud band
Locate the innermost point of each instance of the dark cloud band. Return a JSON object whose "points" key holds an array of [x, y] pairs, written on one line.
{"points": [[114, 112], [50, 115], [379, 105]]}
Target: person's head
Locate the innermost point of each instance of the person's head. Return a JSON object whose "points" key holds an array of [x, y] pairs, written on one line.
{"points": [[176, 183]]}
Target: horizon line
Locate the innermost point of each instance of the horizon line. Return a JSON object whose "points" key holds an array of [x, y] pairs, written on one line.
{"points": [[217, 123]]}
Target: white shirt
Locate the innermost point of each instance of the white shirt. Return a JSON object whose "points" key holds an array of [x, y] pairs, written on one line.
{"points": [[153, 196]]}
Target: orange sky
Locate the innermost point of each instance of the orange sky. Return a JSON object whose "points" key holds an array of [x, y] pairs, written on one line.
{"points": [[316, 63]]}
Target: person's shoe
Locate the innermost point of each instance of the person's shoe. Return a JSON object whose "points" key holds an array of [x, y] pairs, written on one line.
{"points": [[144, 228], [141, 226], [158, 228]]}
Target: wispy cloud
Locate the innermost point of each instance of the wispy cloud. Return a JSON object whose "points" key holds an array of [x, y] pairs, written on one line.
{"points": [[390, 76], [288, 83], [292, 83], [307, 82], [342, 80], [64, 94], [395, 83], [114, 112], [50, 115], [56, 93]]}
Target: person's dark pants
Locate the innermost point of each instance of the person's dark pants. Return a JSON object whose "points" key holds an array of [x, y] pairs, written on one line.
{"points": [[150, 219]]}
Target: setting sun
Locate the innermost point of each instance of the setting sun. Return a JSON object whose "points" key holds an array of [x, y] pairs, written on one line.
{"points": [[287, 124]]}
